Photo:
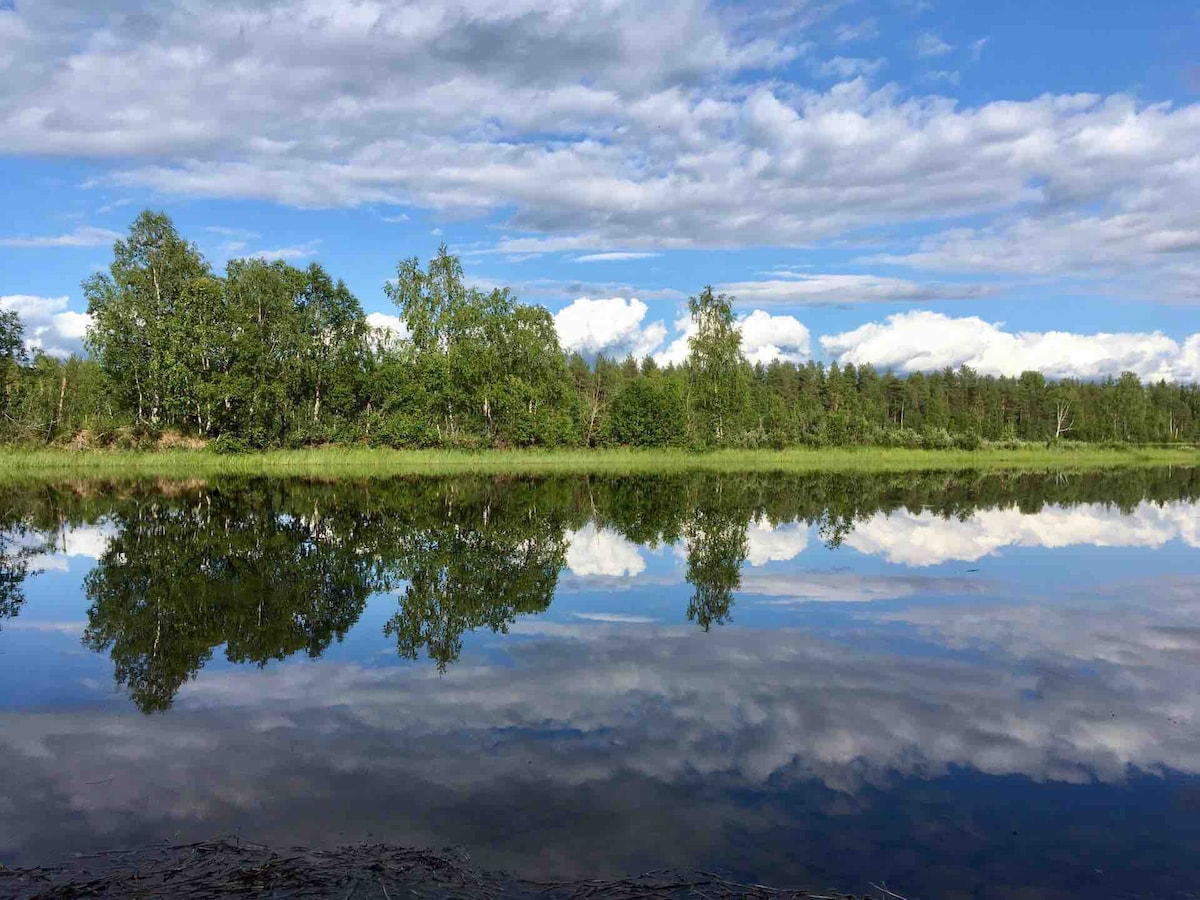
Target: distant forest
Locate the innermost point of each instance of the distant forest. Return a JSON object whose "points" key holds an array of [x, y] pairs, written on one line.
{"points": [[270, 355]]}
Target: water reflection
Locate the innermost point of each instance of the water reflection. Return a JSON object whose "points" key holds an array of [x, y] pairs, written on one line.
{"points": [[272, 569], [970, 684]]}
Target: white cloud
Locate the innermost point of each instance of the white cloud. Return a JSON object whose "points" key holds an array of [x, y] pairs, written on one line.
{"points": [[616, 256], [1067, 243], [811, 289], [50, 326], [593, 551], [83, 236], [867, 30], [945, 76], [238, 233], [930, 44], [300, 251], [848, 67], [927, 539], [765, 338], [614, 618], [88, 541], [612, 326], [798, 588], [923, 341], [388, 327], [624, 127], [779, 543]]}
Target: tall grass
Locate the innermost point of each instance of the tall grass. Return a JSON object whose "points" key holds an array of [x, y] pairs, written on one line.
{"points": [[363, 462]]}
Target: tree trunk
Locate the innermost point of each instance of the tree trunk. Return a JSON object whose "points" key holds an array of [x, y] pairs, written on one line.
{"points": [[57, 418], [1062, 421]]}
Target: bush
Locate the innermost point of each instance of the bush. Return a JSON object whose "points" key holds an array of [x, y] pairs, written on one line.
{"points": [[228, 444], [967, 440], [936, 439], [647, 414], [405, 431]]}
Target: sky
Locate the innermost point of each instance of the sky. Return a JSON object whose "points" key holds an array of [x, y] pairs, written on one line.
{"points": [[906, 183]]}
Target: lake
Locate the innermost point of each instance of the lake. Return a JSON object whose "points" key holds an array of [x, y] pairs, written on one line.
{"points": [[956, 685]]}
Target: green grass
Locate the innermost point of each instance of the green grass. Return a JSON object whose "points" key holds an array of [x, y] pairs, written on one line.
{"points": [[366, 462]]}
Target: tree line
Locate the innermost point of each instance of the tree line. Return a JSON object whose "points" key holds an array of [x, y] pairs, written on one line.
{"points": [[267, 354]]}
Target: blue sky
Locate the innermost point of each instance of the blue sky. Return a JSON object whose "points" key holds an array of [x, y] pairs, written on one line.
{"points": [[910, 183]]}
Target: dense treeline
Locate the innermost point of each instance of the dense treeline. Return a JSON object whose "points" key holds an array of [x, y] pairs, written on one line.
{"points": [[267, 354]]}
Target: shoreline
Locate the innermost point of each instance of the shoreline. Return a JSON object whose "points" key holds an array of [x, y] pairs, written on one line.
{"points": [[341, 461], [225, 867]]}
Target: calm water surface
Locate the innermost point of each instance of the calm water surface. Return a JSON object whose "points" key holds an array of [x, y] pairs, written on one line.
{"points": [[959, 686]]}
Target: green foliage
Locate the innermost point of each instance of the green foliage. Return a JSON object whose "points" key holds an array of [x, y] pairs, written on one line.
{"points": [[649, 412], [482, 367], [272, 356], [146, 312], [718, 373], [228, 444]]}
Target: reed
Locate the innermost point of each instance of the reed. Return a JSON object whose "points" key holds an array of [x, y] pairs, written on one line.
{"points": [[352, 462]]}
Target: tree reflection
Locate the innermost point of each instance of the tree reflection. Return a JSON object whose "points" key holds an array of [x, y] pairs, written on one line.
{"points": [[179, 580], [461, 578], [716, 549], [19, 545], [270, 572], [262, 570], [14, 569]]}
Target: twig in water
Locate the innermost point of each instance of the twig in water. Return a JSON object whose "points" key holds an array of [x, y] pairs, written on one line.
{"points": [[886, 891]]}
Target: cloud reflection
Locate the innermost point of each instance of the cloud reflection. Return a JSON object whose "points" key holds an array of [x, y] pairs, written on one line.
{"points": [[1103, 691], [926, 539]]}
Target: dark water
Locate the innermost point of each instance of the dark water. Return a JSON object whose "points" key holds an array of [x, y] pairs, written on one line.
{"points": [[973, 686]]}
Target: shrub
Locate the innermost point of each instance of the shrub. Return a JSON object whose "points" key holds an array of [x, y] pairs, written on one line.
{"points": [[228, 444]]}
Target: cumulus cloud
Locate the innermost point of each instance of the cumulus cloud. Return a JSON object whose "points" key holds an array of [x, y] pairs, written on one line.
{"points": [[595, 551], [612, 326], [765, 338], [83, 236], [87, 541], [50, 326], [775, 543], [926, 539], [626, 128], [387, 327], [923, 341], [615, 326]]}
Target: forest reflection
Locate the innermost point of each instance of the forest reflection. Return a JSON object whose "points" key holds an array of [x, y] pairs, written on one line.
{"points": [[269, 569]]}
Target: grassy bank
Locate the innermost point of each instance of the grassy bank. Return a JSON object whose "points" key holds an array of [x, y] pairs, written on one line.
{"points": [[365, 462]]}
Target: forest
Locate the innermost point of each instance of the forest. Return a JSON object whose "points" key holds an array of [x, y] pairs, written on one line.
{"points": [[271, 355]]}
